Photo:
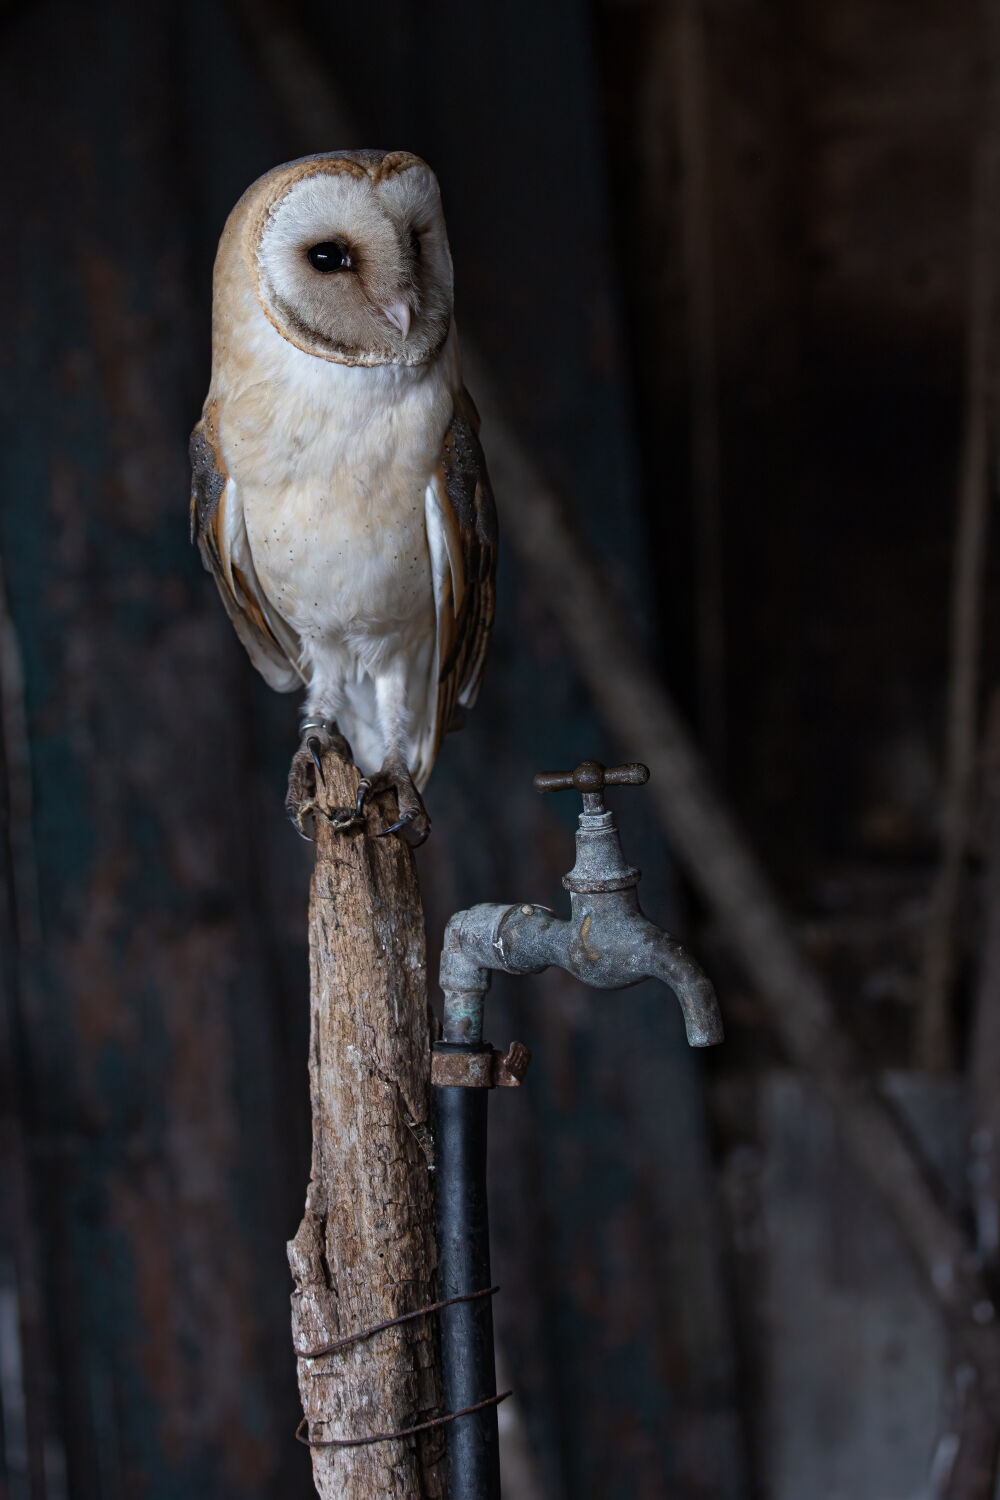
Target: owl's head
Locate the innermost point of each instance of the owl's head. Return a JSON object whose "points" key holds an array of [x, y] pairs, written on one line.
{"points": [[349, 256]]}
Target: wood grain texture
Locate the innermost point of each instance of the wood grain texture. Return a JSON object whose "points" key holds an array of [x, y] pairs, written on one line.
{"points": [[153, 995], [364, 1252]]}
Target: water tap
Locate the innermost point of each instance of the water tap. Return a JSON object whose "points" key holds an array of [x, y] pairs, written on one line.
{"points": [[606, 941]]}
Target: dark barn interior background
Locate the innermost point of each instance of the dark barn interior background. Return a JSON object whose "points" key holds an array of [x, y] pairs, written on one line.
{"points": [[719, 259]]}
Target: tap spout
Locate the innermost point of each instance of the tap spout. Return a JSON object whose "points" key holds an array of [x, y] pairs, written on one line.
{"points": [[676, 967]]}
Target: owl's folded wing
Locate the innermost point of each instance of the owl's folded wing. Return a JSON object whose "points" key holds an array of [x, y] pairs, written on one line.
{"points": [[462, 530], [218, 526]]}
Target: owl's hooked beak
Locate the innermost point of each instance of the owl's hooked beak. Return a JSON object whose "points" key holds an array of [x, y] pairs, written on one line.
{"points": [[399, 315]]}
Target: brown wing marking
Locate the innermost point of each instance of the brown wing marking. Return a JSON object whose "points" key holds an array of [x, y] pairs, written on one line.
{"points": [[270, 648], [467, 604]]}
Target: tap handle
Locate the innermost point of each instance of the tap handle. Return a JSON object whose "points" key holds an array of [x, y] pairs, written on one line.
{"points": [[591, 776]]}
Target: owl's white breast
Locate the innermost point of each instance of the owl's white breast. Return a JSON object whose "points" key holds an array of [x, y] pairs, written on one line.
{"points": [[331, 463]]}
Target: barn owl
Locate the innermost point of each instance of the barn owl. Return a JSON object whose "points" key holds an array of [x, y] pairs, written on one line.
{"points": [[340, 496]]}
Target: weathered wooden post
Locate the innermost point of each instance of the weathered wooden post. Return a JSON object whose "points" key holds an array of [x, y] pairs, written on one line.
{"points": [[364, 1252]]}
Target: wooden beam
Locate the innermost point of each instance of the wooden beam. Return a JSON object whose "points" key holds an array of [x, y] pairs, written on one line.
{"points": [[935, 1041]]}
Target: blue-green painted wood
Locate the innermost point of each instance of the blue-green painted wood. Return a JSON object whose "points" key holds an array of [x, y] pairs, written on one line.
{"points": [[165, 1024]]}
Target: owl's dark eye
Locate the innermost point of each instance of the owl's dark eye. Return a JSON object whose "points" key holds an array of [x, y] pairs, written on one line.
{"points": [[415, 245], [332, 255]]}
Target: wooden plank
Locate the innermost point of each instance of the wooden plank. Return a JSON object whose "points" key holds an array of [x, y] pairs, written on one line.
{"points": [[166, 1056], [154, 1016]]}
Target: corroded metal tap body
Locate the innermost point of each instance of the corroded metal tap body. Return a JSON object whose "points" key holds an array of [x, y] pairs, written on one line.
{"points": [[606, 942]]}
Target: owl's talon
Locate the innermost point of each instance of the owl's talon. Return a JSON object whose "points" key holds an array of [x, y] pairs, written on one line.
{"points": [[350, 819], [305, 775], [413, 824], [413, 831], [414, 827], [314, 747], [344, 819], [300, 814], [394, 827]]}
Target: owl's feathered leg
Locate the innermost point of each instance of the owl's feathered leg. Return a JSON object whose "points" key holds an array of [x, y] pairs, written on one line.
{"points": [[393, 717], [306, 771]]}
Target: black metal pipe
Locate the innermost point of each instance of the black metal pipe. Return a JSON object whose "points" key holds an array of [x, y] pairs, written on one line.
{"points": [[463, 1242]]}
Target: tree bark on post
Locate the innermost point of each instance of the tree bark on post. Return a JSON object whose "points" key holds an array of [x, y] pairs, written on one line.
{"points": [[364, 1252]]}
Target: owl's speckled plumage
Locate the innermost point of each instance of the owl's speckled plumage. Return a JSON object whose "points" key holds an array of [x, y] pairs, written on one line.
{"points": [[340, 496]]}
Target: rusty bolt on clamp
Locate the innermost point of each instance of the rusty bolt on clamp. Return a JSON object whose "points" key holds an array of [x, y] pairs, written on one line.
{"points": [[480, 1070]]}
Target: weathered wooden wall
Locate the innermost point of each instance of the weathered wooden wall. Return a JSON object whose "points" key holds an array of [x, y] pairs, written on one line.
{"points": [[836, 218], [161, 1021], [157, 1014], [153, 923]]}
